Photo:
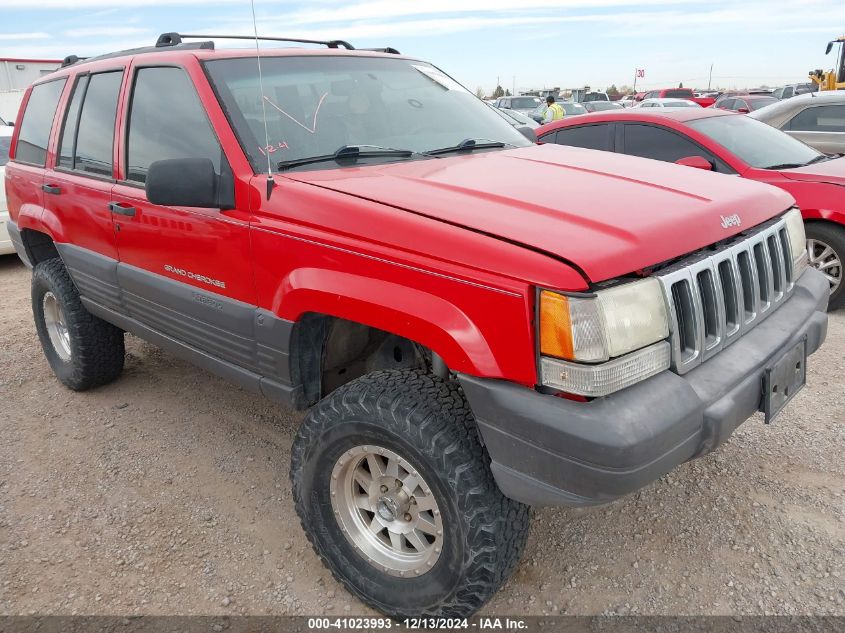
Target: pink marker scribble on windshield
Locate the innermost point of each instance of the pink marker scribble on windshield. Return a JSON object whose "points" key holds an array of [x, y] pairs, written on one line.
{"points": [[313, 127]]}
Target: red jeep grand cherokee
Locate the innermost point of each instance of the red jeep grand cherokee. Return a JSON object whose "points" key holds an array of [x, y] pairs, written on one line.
{"points": [[476, 323]]}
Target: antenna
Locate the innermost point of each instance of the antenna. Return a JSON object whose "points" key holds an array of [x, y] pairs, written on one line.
{"points": [[270, 182]]}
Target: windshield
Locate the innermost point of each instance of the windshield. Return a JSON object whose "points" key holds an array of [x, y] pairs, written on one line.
{"points": [[5, 143], [598, 106], [318, 104], [525, 103], [756, 143], [680, 104]]}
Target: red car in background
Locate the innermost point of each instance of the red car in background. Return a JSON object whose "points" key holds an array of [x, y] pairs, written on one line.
{"points": [[744, 103], [676, 93], [729, 143]]}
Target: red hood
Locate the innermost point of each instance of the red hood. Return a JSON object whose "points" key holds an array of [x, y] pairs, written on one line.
{"points": [[608, 214], [831, 171]]}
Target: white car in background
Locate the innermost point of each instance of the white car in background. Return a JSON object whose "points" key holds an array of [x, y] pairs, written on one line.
{"points": [[5, 141], [667, 102]]}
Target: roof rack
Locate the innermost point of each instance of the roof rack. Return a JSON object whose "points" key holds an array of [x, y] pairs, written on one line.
{"points": [[175, 39], [386, 49], [70, 60]]}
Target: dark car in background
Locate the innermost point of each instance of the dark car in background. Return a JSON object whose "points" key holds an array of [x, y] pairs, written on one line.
{"points": [[792, 90], [525, 104], [744, 103]]}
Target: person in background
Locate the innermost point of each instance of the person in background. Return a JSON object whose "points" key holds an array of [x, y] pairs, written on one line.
{"points": [[554, 111]]}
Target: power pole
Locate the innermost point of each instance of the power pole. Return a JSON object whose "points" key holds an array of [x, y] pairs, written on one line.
{"points": [[513, 92], [710, 77]]}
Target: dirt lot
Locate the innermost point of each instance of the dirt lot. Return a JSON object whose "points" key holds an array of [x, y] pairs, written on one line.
{"points": [[167, 493]]}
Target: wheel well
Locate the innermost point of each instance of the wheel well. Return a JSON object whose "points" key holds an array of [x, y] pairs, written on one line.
{"points": [[39, 246], [328, 352]]}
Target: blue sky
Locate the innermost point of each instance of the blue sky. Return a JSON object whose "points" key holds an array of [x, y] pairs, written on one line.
{"points": [[526, 43]]}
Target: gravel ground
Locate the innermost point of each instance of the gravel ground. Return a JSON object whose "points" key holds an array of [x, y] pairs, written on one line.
{"points": [[167, 493]]}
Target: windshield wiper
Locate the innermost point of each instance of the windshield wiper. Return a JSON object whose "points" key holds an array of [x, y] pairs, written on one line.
{"points": [[786, 166], [350, 153], [467, 145], [817, 159]]}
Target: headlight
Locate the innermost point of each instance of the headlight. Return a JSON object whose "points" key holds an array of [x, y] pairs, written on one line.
{"points": [[615, 338], [611, 323], [797, 242]]}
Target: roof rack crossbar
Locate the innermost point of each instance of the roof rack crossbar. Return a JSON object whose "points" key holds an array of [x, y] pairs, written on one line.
{"points": [[174, 39], [386, 49]]}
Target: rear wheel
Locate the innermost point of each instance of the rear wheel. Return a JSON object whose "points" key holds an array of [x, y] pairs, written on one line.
{"points": [[395, 493], [826, 249], [83, 350]]}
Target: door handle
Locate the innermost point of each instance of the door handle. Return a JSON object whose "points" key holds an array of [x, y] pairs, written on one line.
{"points": [[54, 189], [116, 207]]}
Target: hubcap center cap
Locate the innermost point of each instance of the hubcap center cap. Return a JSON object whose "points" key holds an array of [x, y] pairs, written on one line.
{"points": [[393, 505]]}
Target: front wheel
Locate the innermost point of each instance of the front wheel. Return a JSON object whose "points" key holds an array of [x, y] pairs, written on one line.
{"points": [[826, 249], [395, 493]]}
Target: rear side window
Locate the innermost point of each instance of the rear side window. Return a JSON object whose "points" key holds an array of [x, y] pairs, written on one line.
{"points": [[38, 121], [829, 118], [95, 134], [167, 120], [678, 94], [586, 136]]}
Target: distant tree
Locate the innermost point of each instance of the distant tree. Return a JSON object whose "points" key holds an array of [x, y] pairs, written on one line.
{"points": [[498, 92], [681, 85], [612, 91], [508, 93], [479, 92], [625, 89]]}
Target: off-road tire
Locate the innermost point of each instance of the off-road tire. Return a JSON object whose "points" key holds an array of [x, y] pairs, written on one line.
{"points": [[428, 422], [834, 236], [96, 347]]}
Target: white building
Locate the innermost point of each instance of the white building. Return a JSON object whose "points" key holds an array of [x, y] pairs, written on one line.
{"points": [[15, 76]]}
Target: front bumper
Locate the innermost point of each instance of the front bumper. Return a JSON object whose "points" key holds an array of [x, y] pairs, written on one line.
{"points": [[551, 451]]}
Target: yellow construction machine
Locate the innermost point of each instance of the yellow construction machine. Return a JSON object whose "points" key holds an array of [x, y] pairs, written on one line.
{"points": [[832, 79]]}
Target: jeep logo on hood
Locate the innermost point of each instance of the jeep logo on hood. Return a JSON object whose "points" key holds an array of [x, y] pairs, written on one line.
{"points": [[730, 220]]}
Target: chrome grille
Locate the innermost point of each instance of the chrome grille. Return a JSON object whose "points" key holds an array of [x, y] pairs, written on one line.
{"points": [[716, 296]]}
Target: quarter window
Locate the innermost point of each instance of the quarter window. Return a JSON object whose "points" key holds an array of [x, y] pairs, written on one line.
{"points": [[167, 120], [95, 136], [38, 121]]}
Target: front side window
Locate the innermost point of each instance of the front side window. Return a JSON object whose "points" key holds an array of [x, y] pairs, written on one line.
{"points": [[167, 120], [828, 118], [38, 121], [317, 105], [95, 133], [658, 143]]}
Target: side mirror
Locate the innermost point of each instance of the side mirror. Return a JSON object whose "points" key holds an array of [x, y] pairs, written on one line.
{"points": [[188, 182], [743, 110], [699, 162], [527, 132], [828, 48]]}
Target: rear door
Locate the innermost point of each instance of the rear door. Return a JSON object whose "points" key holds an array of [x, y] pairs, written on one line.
{"points": [[25, 173], [78, 186], [185, 272]]}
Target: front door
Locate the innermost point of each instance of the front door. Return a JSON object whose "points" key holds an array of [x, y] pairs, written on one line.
{"points": [[184, 272]]}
